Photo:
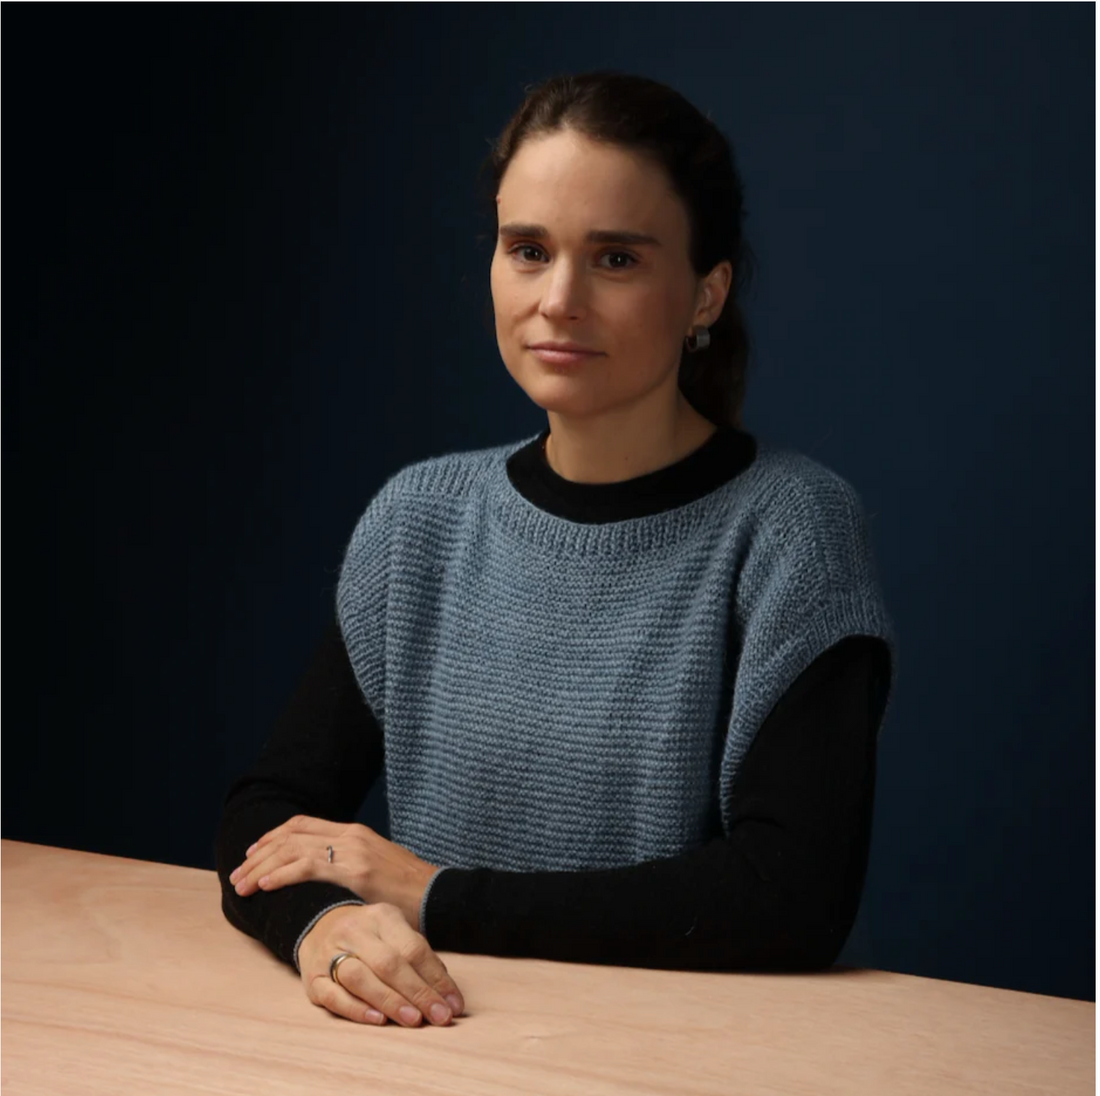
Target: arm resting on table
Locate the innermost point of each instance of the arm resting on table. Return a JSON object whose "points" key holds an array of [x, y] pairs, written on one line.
{"points": [[323, 755], [780, 892]]}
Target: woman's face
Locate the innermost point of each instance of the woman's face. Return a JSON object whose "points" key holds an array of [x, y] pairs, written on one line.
{"points": [[633, 300]]}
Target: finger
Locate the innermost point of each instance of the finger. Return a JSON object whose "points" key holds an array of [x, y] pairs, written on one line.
{"points": [[275, 834], [418, 953], [282, 856], [325, 992], [257, 866], [300, 823], [297, 871], [400, 956], [308, 850], [371, 975]]}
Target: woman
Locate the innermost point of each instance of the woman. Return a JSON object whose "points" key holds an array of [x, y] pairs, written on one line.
{"points": [[629, 672]]}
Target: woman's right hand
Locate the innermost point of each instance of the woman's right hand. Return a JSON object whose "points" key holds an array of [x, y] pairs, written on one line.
{"points": [[395, 968]]}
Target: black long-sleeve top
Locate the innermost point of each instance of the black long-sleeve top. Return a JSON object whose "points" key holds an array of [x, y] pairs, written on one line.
{"points": [[779, 892]]}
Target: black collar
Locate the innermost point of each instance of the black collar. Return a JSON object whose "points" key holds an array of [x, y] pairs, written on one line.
{"points": [[725, 454]]}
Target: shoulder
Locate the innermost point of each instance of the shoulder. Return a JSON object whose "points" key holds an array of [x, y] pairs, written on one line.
{"points": [[451, 474], [807, 519], [793, 489], [430, 482]]}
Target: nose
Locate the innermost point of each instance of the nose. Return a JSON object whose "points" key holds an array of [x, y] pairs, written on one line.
{"points": [[564, 293]]}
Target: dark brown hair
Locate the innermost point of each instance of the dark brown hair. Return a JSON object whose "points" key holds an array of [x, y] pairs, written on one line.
{"points": [[653, 119]]}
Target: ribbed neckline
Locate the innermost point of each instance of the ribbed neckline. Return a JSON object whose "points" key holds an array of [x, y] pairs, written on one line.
{"points": [[538, 504]]}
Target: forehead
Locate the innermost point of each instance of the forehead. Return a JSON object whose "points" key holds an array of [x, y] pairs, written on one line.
{"points": [[567, 179]]}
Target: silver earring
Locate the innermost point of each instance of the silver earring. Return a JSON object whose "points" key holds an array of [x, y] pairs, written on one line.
{"points": [[698, 339]]}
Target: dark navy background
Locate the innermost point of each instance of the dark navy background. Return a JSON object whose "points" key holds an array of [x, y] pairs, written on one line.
{"points": [[246, 279]]}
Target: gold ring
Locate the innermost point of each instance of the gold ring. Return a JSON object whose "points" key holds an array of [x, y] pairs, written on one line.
{"points": [[336, 961]]}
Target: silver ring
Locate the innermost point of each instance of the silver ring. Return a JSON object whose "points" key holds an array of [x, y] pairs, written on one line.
{"points": [[336, 961], [331, 854]]}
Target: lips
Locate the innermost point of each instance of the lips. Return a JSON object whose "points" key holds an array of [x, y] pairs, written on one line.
{"points": [[562, 357], [570, 347]]}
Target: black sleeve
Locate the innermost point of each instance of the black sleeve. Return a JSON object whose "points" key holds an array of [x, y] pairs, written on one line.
{"points": [[323, 755], [780, 892]]}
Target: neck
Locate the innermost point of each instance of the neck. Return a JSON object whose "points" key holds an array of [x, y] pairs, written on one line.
{"points": [[603, 452]]}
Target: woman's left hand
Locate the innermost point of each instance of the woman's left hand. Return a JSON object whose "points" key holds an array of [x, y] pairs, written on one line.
{"points": [[363, 861]]}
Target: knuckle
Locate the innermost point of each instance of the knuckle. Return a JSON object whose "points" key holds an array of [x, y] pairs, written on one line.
{"points": [[339, 1006], [316, 990], [340, 1001], [415, 950], [425, 997], [388, 964], [391, 1002]]}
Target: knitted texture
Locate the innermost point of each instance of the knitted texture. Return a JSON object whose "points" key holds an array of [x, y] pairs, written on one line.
{"points": [[562, 696]]}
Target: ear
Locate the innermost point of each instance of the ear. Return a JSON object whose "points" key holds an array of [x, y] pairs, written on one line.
{"points": [[712, 294]]}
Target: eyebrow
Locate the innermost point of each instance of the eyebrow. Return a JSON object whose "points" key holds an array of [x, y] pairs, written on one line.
{"points": [[594, 236]]}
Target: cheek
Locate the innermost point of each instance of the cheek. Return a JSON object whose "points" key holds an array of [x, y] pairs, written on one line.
{"points": [[505, 302], [650, 317], [505, 310], [656, 310]]}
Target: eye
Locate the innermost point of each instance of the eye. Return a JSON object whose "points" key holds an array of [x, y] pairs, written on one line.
{"points": [[622, 255], [631, 260], [523, 247]]}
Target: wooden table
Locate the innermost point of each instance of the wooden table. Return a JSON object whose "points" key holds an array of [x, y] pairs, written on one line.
{"points": [[122, 977]]}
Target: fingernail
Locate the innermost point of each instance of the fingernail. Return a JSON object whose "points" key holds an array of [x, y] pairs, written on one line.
{"points": [[409, 1014], [375, 1017], [248, 851], [455, 1003], [233, 875], [440, 1013]]}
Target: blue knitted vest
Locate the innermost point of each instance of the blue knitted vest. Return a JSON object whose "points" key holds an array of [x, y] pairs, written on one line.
{"points": [[557, 695]]}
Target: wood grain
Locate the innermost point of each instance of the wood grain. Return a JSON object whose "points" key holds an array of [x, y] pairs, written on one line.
{"points": [[121, 976]]}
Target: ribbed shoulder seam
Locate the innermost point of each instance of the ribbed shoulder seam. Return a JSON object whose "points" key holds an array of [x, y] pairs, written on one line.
{"points": [[806, 500], [451, 474]]}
